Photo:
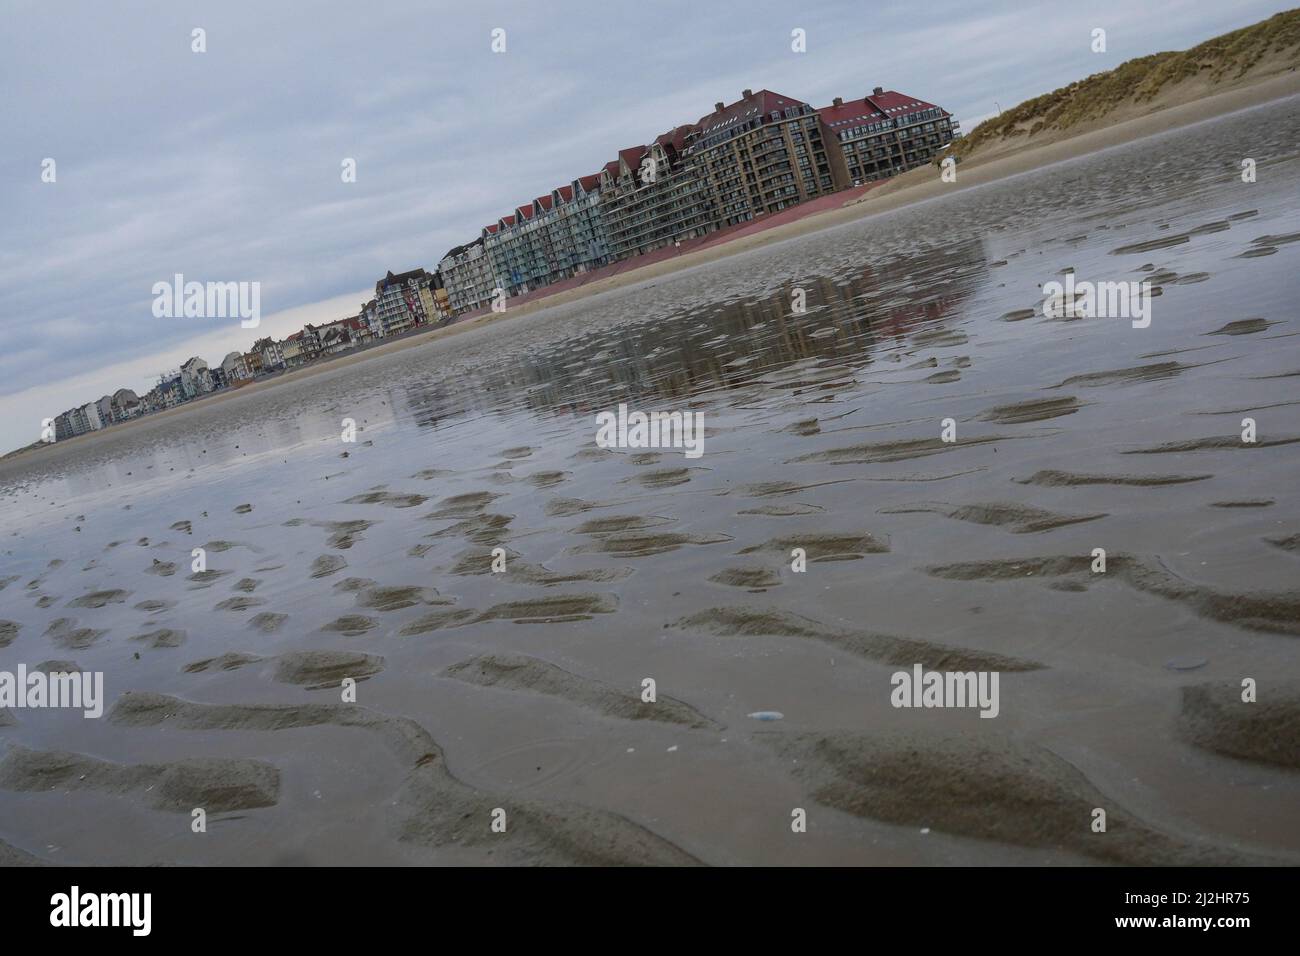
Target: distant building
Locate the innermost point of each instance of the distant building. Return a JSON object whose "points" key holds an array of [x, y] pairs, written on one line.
{"points": [[467, 272], [403, 301], [654, 197], [582, 235], [195, 378], [126, 404], [359, 329], [104, 407], [369, 313], [762, 154], [338, 336], [63, 426], [234, 368], [441, 298], [292, 351], [171, 392], [758, 156], [271, 352], [90, 411], [887, 133]]}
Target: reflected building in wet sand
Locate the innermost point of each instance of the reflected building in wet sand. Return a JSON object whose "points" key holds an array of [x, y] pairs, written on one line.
{"points": [[845, 321]]}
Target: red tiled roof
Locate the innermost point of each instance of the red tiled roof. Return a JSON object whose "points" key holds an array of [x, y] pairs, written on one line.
{"points": [[525, 212], [507, 220], [675, 137], [612, 168], [632, 156], [756, 104], [870, 109], [491, 229], [566, 193], [589, 182], [544, 200]]}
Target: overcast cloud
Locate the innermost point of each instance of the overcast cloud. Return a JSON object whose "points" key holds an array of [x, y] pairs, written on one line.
{"points": [[225, 165]]}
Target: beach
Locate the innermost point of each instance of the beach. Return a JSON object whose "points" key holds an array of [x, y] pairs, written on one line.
{"points": [[1183, 108], [947, 458]]}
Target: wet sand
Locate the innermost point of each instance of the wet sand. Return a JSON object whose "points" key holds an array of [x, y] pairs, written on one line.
{"points": [[521, 691]]}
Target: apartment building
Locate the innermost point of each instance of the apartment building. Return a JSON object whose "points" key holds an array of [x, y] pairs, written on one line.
{"points": [[763, 153], [403, 301], [654, 197], [104, 408], [77, 421], [63, 426], [467, 274], [582, 233], [552, 238], [887, 133]]}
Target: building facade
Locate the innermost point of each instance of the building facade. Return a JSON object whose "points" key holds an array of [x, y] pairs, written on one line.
{"points": [[233, 368], [126, 404], [888, 133], [271, 351], [404, 301], [763, 153], [195, 379], [468, 276], [654, 196]]}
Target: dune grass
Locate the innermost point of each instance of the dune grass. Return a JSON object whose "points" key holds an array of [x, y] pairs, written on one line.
{"points": [[1222, 59]]}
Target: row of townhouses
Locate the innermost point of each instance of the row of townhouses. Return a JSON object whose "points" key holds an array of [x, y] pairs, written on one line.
{"points": [[743, 161], [402, 303]]}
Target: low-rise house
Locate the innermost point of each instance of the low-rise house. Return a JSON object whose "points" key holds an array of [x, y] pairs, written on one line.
{"points": [[359, 330], [339, 336]]}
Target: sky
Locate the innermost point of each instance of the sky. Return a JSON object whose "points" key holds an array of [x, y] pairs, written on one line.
{"points": [[226, 165]]}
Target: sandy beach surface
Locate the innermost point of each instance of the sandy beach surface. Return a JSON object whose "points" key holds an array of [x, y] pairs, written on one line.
{"points": [[521, 691]]}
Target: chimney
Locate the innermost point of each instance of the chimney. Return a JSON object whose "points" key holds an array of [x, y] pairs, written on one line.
{"points": [[719, 106], [838, 101], [747, 94], [877, 91]]}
